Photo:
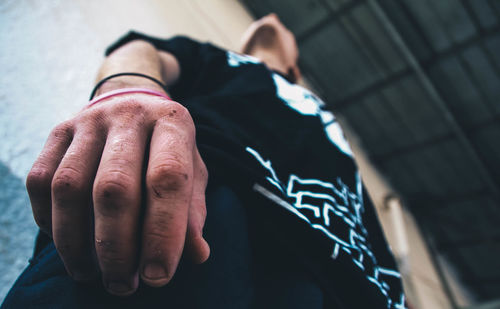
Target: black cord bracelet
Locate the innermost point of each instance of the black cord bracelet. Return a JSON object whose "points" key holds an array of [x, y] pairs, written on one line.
{"points": [[102, 81]]}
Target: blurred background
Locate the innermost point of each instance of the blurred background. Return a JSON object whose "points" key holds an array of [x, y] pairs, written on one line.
{"points": [[415, 83]]}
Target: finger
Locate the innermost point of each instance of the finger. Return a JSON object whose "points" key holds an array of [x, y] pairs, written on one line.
{"points": [[116, 196], [72, 205], [39, 180], [169, 186], [196, 246]]}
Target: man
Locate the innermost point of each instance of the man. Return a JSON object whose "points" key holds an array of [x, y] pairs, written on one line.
{"points": [[123, 189]]}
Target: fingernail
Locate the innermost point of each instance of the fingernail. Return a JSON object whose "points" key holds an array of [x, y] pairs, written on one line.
{"points": [[154, 271], [119, 288]]}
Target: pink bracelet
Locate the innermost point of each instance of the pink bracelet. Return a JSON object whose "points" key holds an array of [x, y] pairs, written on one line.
{"points": [[125, 91]]}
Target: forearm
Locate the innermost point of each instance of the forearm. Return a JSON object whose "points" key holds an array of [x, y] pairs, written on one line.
{"points": [[138, 57]]}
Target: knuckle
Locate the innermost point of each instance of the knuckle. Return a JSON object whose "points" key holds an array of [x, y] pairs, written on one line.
{"points": [[122, 111], [113, 185], [38, 180], [181, 111], [175, 111], [110, 190], [91, 117], [132, 110], [169, 176], [93, 121], [68, 182], [131, 106], [63, 130]]}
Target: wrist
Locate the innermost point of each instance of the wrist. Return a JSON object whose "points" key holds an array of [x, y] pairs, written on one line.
{"points": [[120, 82], [151, 83], [123, 91], [135, 64]]}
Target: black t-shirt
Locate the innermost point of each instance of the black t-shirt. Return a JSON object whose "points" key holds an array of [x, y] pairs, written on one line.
{"points": [[288, 221], [287, 158]]}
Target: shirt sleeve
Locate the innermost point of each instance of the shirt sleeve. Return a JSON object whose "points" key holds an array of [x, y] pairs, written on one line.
{"points": [[189, 54]]}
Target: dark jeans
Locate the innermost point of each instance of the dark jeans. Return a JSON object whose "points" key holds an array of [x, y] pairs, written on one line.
{"points": [[245, 270]]}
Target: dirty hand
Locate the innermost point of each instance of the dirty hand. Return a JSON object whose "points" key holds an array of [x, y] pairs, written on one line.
{"points": [[121, 189]]}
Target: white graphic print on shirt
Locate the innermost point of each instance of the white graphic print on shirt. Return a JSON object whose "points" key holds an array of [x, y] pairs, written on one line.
{"points": [[337, 212], [332, 208]]}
